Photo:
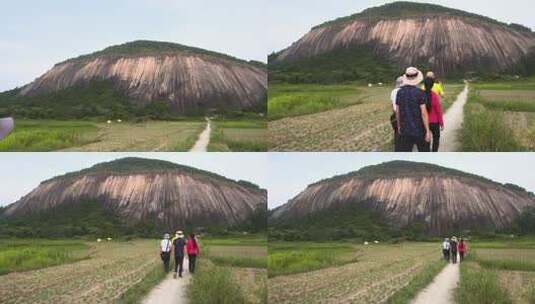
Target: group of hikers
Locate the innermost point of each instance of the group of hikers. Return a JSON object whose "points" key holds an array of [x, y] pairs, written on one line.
{"points": [[181, 247], [451, 248], [417, 117]]}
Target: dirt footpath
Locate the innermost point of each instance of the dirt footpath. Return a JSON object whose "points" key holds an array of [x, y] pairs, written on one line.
{"points": [[204, 138], [450, 140], [440, 291], [170, 290]]}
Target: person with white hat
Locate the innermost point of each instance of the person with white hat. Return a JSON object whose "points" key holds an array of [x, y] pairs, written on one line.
{"points": [[165, 251], [179, 244], [411, 114]]}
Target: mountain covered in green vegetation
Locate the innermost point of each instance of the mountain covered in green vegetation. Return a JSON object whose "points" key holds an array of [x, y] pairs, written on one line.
{"points": [[137, 196], [403, 199], [377, 44], [152, 79]]}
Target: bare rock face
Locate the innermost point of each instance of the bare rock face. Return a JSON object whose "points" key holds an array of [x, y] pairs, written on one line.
{"points": [[188, 79], [406, 193], [158, 191], [446, 40]]}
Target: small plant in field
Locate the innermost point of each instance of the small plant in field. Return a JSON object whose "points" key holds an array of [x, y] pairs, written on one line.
{"points": [[480, 286], [485, 130], [214, 284]]}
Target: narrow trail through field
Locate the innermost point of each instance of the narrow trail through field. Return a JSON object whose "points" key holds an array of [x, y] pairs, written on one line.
{"points": [[440, 291], [204, 138], [170, 290], [453, 120]]}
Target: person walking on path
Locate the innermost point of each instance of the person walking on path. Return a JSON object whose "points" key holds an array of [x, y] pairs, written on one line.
{"points": [[179, 245], [192, 249], [437, 85], [411, 114], [6, 124], [393, 120], [462, 248], [453, 250], [446, 249], [434, 108], [165, 251]]}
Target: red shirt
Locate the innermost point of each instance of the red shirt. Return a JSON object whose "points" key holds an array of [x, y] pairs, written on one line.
{"points": [[462, 247], [191, 247], [435, 115]]}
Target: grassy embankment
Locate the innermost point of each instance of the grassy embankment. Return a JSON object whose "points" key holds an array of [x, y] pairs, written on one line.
{"points": [[499, 272], [238, 135], [500, 117]]}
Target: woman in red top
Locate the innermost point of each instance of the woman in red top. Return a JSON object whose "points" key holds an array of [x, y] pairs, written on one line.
{"points": [[462, 248], [192, 249], [434, 108]]}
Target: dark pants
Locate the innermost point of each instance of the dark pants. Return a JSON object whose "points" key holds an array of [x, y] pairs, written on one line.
{"points": [[461, 255], [407, 142], [435, 129], [192, 258], [166, 256], [446, 254], [454, 257], [179, 260]]}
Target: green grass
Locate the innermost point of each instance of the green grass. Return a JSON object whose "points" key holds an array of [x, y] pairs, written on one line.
{"points": [[479, 286], [287, 100], [531, 294], [249, 240], [522, 84], [46, 135], [507, 264], [237, 261], [486, 130], [19, 255], [419, 282], [238, 135], [137, 292], [286, 258], [511, 105], [214, 284]]}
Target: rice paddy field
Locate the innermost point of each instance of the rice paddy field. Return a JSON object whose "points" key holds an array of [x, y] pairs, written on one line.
{"points": [[348, 273], [47, 135], [497, 110], [105, 272], [499, 272], [350, 117], [238, 135], [77, 271]]}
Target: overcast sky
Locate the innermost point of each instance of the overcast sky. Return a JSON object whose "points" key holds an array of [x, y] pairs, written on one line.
{"points": [[291, 173], [22, 172], [35, 34]]}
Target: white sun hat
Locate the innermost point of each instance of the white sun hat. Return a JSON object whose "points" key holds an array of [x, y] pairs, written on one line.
{"points": [[412, 76]]}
